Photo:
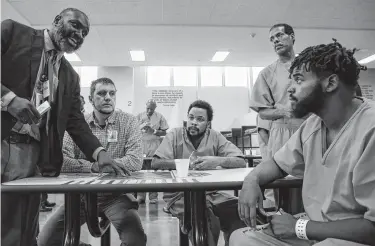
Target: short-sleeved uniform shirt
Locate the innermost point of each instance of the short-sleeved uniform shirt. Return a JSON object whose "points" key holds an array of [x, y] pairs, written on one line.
{"points": [[176, 145], [339, 181], [270, 91], [150, 142]]}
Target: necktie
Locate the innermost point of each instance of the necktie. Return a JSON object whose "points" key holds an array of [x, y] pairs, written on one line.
{"points": [[50, 65], [44, 86], [47, 86]]}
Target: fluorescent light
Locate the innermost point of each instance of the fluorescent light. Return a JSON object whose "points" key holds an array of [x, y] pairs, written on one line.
{"points": [[220, 56], [72, 57], [367, 59], [137, 55]]}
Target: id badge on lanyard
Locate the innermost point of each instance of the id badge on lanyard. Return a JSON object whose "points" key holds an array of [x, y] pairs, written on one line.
{"points": [[112, 136]]}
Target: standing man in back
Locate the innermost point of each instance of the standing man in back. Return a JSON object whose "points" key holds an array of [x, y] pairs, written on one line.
{"points": [[270, 97], [153, 125]]}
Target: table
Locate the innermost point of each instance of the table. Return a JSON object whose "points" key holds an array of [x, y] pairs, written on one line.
{"points": [[194, 186]]}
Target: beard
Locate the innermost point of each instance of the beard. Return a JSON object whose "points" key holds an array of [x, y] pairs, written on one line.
{"points": [[61, 41], [199, 133], [312, 103]]}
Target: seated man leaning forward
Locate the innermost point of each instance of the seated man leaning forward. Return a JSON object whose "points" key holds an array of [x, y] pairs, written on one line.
{"points": [[333, 151], [213, 151], [119, 133]]}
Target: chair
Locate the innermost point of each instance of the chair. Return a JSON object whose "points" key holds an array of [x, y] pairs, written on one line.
{"points": [[289, 199], [105, 240], [236, 134], [97, 228], [245, 134], [227, 135]]}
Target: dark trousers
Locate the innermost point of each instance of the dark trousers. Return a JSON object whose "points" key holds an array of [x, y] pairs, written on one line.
{"points": [[19, 212], [121, 212]]}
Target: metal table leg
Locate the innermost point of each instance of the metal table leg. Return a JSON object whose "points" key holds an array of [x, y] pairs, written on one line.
{"points": [[72, 219], [199, 220], [106, 238], [186, 223], [290, 200], [97, 228]]}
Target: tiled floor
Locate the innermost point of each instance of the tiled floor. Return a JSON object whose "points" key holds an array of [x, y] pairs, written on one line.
{"points": [[161, 228]]}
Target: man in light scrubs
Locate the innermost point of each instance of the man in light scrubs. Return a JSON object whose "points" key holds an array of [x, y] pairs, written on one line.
{"points": [[269, 96], [263, 136], [153, 126], [333, 151], [213, 151]]}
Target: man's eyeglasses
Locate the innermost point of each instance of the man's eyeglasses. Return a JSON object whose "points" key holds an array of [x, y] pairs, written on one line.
{"points": [[198, 119]]}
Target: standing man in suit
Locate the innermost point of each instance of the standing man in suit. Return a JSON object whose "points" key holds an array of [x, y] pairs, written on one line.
{"points": [[34, 71]]}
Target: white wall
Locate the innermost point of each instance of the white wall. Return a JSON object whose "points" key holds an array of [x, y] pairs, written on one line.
{"points": [[142, 93], [229, 103]]}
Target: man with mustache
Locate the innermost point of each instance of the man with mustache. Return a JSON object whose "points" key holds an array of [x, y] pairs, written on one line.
{"points": [[214, 151], [119, 132], [333, 151], [153, 125], [34, 71], [269, 96]]}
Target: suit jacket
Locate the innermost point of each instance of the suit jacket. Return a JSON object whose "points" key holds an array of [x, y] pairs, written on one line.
{"points": [[21, 52]]}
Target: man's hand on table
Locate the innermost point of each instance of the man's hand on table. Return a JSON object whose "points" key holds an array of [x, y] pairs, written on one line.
{"points": [[107, 164], [206, 163], [249, 197]]}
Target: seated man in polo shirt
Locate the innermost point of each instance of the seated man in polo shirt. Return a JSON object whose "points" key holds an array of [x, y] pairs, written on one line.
{"points": [[214, 151]]}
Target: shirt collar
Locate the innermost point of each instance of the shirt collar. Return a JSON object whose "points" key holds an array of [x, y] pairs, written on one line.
{"points": [[111, 119], [48, 45]]}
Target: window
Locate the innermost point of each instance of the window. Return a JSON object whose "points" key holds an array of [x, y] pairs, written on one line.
{"points": [[87, 74], [158, 76], [211, 76], [185, 76], [256, 71], [236, 76]]}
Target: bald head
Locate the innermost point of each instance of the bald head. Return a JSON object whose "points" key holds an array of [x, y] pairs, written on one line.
{"points": [[150, 107], [151, 101]]}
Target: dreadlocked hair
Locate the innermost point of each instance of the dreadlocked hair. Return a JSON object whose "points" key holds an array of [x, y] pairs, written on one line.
{"points": [[330, 59]]}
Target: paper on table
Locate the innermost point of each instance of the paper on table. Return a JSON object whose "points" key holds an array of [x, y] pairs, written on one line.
{"points": [[62, 179]]}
